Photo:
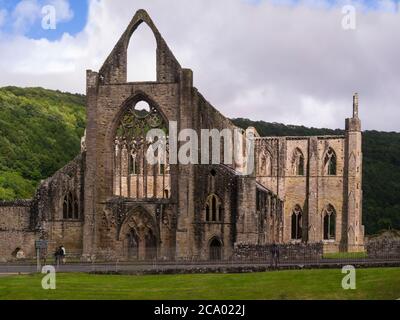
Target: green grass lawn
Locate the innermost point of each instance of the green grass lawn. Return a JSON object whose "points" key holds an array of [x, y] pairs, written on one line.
{"points": [[345, 255], [382, 283]]}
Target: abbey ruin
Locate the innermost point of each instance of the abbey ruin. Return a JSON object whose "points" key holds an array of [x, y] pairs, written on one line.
{"points": [[109, 203]]}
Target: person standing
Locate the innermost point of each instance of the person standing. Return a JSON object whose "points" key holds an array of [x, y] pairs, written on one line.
{"points": [[57, 256], [274, 255], [63, 254]]}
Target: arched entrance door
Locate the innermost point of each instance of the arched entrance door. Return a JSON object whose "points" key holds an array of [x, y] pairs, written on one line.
{"points": [[215, 249]]}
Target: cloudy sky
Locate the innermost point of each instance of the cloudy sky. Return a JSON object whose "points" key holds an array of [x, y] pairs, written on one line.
{"points": [[288, 61]]}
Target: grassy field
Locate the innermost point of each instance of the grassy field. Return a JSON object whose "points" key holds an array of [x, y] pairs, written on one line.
{"points": [[345, 255], [381, 283]]}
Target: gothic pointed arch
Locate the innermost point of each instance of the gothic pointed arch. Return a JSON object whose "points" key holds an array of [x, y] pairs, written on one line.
{"points": [[329, 222], [265, 164], [114, 69], [215, 248], [139, 235], [133, 175], [213, 208], [298, 162], [141, 55], [297, 222], [140, 220], [352, 160], [70, 206], [330, 162]]}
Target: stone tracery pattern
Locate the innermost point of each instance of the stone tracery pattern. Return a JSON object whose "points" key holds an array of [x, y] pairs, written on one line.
{"points": [[134, 177]]}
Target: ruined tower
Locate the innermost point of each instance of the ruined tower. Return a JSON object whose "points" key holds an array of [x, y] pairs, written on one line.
{"points": [[353, 228]]}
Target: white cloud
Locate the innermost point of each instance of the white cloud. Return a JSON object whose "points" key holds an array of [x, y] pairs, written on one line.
{"points": [[63, 10], [25, 14], [291, 64]]}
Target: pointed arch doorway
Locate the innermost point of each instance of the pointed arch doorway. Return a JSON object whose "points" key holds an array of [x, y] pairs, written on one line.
{"points": [[139, 236], [215, 249]]}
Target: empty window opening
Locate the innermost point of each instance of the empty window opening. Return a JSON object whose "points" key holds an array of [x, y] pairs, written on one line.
{"points": [[298, 162], [329, 223], [297, 223], [71, 207], [214, 209], [141, 55], [330, 162]]}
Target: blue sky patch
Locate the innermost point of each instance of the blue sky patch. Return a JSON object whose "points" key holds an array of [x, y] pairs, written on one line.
{"points": [[25, 17]]}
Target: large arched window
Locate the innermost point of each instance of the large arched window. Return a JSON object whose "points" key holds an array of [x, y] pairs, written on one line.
{"points": [[297, 223], [330, 162], [329, 216], [298, 162], [214, 209], [71, 207], [134, 176]]}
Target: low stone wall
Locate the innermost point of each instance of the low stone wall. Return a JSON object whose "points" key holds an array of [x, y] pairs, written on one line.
{"points": [[383, 248], [287, 252]]}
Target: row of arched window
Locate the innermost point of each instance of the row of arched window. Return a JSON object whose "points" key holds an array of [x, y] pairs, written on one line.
{"points": [[330, 163], [298, 163], [71, 207], [329, 221]]}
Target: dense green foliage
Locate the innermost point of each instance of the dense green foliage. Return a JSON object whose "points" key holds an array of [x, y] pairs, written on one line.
{"points": [[381, 170], [40, 132], [383, 283]]}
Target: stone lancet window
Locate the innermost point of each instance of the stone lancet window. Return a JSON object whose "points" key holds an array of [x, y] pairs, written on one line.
{"points": [[298, 163], [265, 164], [71, 207], [330, 162], [329, 216], [261, 200], [297, 223], [134, 176], [134, 165], [213, 208]]}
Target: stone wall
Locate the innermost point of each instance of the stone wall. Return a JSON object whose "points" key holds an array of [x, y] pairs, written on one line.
{"points": [[287, 252], [383, 248], [15, 229]]}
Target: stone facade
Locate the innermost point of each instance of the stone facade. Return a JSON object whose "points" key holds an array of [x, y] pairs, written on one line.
{"points": [[107, 203]]}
